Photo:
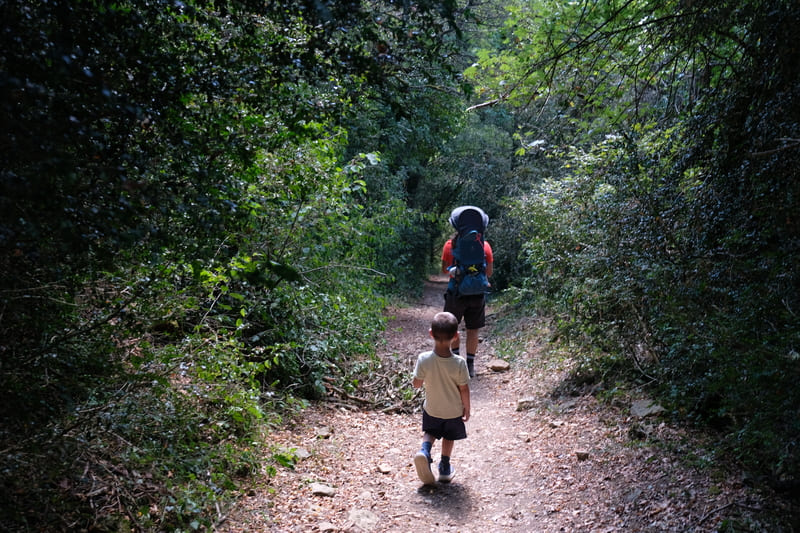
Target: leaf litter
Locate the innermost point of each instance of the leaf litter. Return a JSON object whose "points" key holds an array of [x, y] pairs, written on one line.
{"points": [[564, 463]]}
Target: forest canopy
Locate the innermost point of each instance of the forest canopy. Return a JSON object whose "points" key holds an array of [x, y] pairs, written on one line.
{"points": [[204, 206]]}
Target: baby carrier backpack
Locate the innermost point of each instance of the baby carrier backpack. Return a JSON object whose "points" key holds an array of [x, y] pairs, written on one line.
{"points": [[468, 272]]}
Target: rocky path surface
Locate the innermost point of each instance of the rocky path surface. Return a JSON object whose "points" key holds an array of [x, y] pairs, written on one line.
{"points": [[565, 462]]}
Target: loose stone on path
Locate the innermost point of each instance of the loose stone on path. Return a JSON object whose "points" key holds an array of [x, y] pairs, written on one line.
{"points": [[362, 520], [320, 489], [498, 365]]}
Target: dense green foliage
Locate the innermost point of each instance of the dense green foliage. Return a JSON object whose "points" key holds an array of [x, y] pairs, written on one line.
{"points": [[204, 204], [184, 238], [668, 233]]}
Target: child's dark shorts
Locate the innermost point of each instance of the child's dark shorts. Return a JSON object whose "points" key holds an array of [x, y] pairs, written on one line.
{"points": [[443, 428]]}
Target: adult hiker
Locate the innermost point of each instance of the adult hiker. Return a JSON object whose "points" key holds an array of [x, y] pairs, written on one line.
{"points": [[468, 257]]}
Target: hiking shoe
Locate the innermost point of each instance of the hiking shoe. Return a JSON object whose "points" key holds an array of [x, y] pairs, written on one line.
{"points": [[422, 461], [446, 473]]}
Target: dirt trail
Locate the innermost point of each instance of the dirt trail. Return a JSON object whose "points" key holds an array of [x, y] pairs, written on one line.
{"points": [[567, 464]]}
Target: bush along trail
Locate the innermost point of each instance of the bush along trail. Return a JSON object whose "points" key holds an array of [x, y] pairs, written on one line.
{"points": [[544, 453]]}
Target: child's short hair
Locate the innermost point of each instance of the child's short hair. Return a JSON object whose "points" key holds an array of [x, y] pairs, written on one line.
{"points": [[444, 326]]}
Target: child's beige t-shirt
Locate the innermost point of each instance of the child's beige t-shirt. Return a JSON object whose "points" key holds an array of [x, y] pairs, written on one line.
{"points": [[442, 377]]}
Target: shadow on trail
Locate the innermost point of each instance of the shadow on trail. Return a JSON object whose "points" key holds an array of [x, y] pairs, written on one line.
{"points": [[452, 501]]}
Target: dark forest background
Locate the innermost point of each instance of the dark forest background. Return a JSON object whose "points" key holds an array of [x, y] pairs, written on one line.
{"points": [[204, 207]]}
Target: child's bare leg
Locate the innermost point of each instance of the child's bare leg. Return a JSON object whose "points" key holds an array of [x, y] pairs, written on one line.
{"points": [[447, 447]]}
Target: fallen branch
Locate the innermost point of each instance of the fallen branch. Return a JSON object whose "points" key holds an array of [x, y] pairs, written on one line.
{"points": [[396, 409], [723, 507], [346, 395], [713, 512]]}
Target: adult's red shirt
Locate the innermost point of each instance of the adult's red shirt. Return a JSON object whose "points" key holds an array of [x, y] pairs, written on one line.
{"points": [[447, 254]]}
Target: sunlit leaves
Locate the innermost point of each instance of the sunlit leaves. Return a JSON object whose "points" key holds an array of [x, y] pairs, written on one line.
{"points": [[667, 230], [605, 63]]}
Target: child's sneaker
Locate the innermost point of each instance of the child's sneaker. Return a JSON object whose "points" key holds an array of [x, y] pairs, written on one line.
{"points": [[422, 461], [446, 473]]}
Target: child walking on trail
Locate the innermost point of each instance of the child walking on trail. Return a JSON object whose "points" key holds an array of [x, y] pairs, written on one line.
{"points": [[446, 407]]}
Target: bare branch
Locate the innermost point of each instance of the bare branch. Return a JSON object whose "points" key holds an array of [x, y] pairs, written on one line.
{"points": [[490, 103], [795, 143]]}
